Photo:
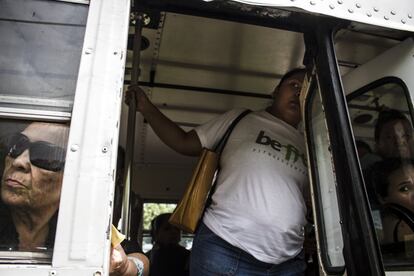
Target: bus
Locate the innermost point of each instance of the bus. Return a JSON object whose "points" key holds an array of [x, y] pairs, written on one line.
{"points": [[67, 63]]}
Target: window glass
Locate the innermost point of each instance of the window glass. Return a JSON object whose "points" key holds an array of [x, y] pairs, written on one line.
{"points": [[40, 53], [151, 211], [32, 159], [323, 175], [382, 126]]}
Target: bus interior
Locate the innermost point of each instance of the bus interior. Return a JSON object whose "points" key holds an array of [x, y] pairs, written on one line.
{"points": [[198, 59]]}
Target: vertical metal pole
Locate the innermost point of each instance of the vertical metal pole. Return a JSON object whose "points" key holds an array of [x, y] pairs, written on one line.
{"points": [[129, 151]]}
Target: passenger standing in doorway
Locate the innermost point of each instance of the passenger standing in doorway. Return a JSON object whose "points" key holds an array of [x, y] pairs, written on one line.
{"points": [[255, 223]]}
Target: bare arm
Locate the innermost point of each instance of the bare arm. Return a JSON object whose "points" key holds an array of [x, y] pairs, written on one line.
{"points": [[169, 132], [120, 265]]}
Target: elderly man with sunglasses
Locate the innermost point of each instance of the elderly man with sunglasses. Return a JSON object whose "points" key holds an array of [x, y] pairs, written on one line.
{"points": [[31, 185]]}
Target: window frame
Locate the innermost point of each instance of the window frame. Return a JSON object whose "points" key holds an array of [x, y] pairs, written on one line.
{"points": [[370, 86], [82, 242], [356, 225], [377, 83]]}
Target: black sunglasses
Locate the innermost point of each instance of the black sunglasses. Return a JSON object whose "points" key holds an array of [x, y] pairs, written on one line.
{"points": [[42, 154]]}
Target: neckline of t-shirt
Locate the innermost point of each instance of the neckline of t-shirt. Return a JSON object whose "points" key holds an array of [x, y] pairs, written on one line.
{"points": [[274, 118]]}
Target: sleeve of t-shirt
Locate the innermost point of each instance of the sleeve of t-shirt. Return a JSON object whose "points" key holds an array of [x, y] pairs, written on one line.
{"points": [[211, 132]]}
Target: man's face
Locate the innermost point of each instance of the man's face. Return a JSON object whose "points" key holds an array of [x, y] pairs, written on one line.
{"points": [[396, 140], [401, 187], [286, 104], [33, 170]]}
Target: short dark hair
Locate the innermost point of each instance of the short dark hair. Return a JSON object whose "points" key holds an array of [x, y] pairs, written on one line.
{"points": [[294, 71], [382, 170], [156, 224], [386, 116]]}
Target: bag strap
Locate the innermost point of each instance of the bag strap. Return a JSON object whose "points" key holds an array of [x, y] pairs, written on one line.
{"points": [[218, 149], [223, 141]]}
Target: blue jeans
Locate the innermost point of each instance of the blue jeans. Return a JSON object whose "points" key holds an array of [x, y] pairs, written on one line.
{"points": [[212, 256]]}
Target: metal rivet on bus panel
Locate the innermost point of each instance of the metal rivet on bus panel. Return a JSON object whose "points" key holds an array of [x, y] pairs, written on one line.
{"points": [[410, 16], [88, 51], [403, 21], [104, 149], [74, 148], [376, 9], [386, 17], [393, 12], [350, 10], [312, 3], [358, 5], [52, 273], [340, 2], [369, 14], [332, 6], [97, 273]]}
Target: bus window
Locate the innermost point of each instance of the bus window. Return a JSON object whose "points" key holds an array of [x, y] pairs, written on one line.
{"points": [[32, 162], [324, 181], [382, 124], [40, 54], [152, 210], [41, 48]]}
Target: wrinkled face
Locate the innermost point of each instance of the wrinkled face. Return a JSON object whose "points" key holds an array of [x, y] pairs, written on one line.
{"points": [[396, 140], [286, 105], [33, 170], [401, 187]]}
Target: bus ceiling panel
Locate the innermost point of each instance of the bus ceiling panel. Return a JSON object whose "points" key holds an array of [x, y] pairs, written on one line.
{"points": [[44, 12], [354, 49], [197, 51], [289, 19], [198, 108]]}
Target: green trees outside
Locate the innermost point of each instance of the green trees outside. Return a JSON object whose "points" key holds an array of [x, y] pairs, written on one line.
{"points": [[151, 210]]}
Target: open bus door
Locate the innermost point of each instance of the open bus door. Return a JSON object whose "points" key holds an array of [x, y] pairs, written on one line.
{"points": [[349, 227], [384, 83]]}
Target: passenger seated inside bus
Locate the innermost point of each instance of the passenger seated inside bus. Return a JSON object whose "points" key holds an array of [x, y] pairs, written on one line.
{"points": [[134, 264], [127, 258], [167, 257], [393, 139], [394, 186], [129, 245], [31, 185], [365, 154], [394, 135]]}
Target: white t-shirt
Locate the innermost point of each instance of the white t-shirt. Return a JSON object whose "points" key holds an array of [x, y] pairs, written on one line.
{"points": [[258, 205]]}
